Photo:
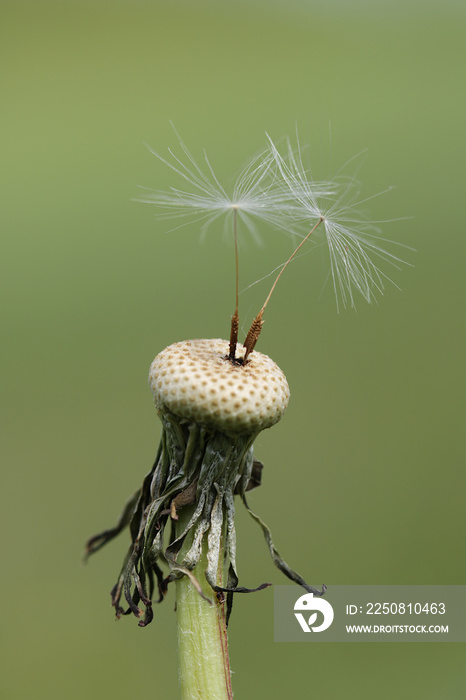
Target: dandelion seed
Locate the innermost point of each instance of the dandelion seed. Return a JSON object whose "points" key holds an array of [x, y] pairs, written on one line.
{"points": [[254, 194], [279, 190], [353, 243], [253, 197], [257, 194], [356, 249]]}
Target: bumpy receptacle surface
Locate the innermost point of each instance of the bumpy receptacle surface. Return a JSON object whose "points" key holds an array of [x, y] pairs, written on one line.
{"points": [[194, 380]]}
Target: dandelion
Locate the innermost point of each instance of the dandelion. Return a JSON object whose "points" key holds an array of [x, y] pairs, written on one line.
{"points": [[213, 398], [211, 411]]}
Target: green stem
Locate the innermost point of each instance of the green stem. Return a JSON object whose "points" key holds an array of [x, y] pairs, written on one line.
{"points": [[202, 634]]}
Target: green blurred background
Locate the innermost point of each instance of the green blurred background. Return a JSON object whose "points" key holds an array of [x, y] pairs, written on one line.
{"points": [[364, 480]]}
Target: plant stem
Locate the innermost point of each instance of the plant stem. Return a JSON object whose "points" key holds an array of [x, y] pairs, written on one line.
{"points": [[202, 635]]}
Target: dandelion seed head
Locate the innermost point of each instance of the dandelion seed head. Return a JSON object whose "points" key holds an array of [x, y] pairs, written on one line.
{"points": [[194, 380]]}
